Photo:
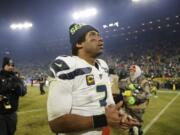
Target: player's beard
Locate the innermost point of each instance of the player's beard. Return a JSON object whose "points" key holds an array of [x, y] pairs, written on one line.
{"points": [[97, 54]]}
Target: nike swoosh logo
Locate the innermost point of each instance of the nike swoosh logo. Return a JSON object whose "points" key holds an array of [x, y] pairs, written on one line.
{"points": [[59, 65]]}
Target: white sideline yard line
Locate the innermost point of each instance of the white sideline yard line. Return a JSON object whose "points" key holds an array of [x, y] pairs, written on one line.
{"points": [[29, 111], [159, 114]]}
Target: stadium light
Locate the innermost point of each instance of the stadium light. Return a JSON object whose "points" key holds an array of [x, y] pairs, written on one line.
{"points": [[159, 27], [84, 13], [116, 24], [105, 26], [20, 26], [141, 1], [167, 18], [136, 0], [113, 24], [150, 22]]}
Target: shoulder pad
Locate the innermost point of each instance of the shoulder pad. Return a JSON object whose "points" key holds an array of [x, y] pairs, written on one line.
{"points": [[61, 64]]}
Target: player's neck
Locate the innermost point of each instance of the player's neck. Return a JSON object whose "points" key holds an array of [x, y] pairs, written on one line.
{"points": [[88, 59]]}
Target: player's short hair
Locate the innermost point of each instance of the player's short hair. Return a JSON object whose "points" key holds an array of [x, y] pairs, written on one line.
{"points": [[75, 48]]}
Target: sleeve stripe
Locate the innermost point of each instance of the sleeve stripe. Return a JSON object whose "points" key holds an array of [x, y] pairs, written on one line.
{"points": [[75, 73]]}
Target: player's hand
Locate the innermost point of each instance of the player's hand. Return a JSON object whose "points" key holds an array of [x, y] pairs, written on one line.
{"points": [[126, 120], [132, 122], [112, 115]]}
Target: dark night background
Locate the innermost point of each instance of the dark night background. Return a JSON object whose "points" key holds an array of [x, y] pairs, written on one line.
{"points": [[51, 19]]}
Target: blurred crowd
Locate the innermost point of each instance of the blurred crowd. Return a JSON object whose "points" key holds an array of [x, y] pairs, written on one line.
{"points": [[157, 60], [161, 59]]}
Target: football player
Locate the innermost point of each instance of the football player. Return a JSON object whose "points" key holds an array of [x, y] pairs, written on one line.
{"points": [[80, 101]]}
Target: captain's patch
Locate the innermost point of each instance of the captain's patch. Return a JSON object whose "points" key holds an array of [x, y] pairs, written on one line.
{"points": [[90, 80]]}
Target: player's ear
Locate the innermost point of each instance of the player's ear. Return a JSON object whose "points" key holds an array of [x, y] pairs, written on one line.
{"points": [[79, 45]]}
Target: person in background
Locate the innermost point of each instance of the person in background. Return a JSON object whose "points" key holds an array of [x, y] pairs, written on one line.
{"points": [[11, 87], [42, 82], [135, 90]]}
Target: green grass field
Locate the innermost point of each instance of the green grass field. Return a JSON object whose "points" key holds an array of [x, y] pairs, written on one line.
{"points": [[161, 117]]}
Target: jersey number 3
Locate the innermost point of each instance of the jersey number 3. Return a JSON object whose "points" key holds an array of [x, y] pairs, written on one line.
{"points": [[103, 90]]}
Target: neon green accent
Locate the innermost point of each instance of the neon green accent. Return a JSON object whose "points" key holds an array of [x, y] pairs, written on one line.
{"points": [[7, 105], [127, 93], [132, 87], [75, 28], [131, 100]]}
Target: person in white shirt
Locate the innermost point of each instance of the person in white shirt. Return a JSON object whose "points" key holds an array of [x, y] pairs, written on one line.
{"points": [[80, 101]]}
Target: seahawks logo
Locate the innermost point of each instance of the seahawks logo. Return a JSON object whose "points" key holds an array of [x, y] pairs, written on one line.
{"points": [[75, 28]]}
